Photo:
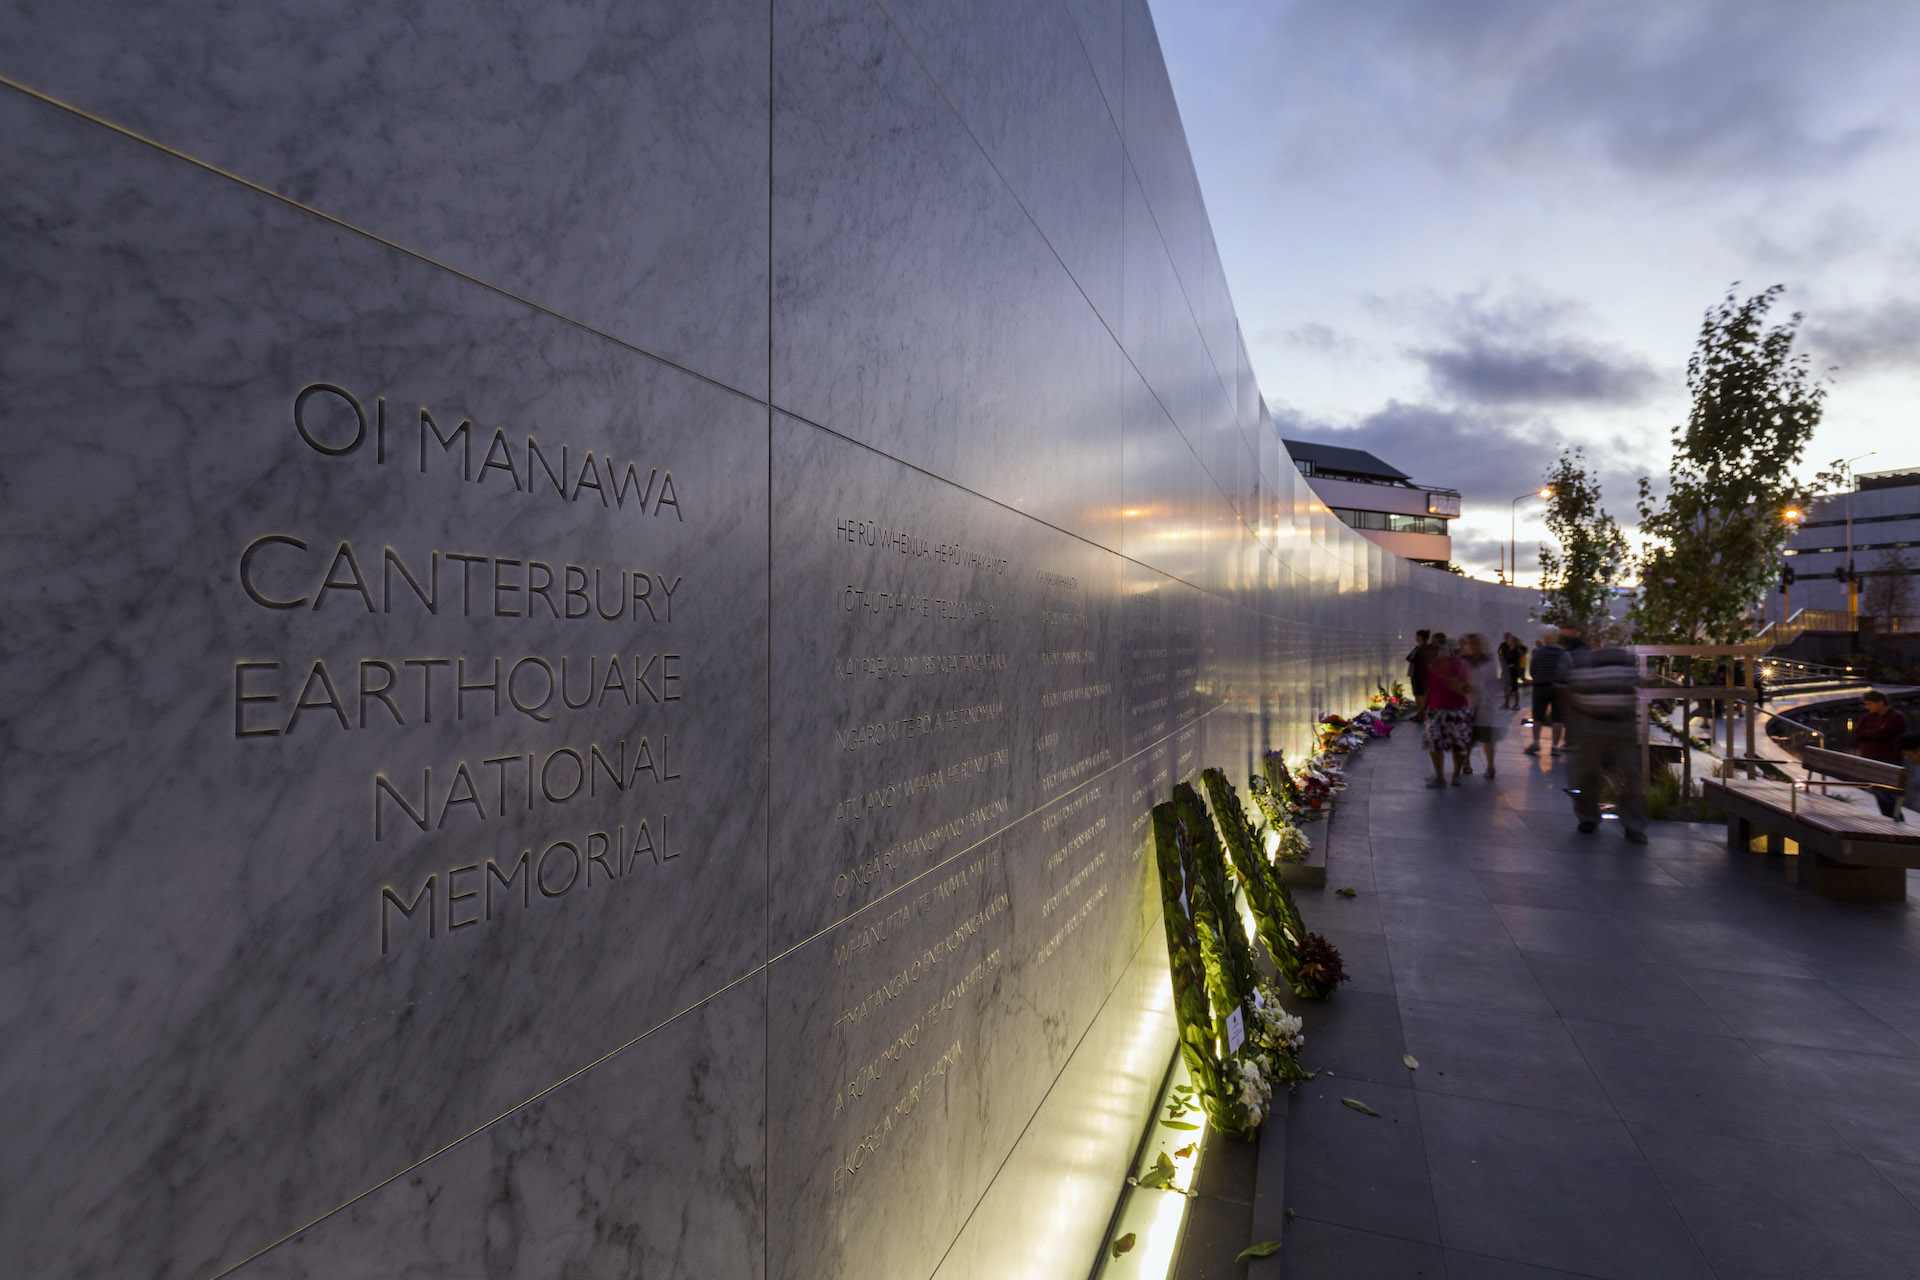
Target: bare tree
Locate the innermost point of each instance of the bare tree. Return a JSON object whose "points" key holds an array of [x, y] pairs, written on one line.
{"points": [[1886, 592]]}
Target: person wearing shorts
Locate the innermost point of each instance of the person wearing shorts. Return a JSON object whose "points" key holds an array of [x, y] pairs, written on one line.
{"points": [[1449, 713], [1483, 673], [1549, 665]]}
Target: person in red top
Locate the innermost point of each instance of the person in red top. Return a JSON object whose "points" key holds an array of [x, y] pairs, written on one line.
{"points": [[1449, 712], [1876, 736]]}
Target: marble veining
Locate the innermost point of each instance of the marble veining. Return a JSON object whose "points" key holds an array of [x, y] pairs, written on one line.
{"points": [[484, 799]]}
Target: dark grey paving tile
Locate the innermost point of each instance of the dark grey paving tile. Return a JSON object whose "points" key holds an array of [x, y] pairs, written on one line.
{"points": [[1638, 993], [1870, 1100], [1211, 1240], [1494, 854], [1313, 1250], [1523, 1058], [1803, 1011], [1355, 1036], [1400, 846], [1364, 956], [1537, 889], [1448, 879], [1228, 1166], [1698, 1083], [1599, 935], [1324, 909], [1898, 1007], [1708, 944], [1441, 920], [1606, 856], [1904, 1178], [1475, 1266], [1356, 1170], [1552, 1190], [1478, 977], [1762, 1211]]}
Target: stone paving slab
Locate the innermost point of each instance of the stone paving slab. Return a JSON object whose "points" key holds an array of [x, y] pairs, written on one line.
{"points": [[1635, 1061]]}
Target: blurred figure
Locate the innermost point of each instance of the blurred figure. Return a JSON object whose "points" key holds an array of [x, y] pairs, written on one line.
{"points": [[1570, 638], [1877, 736], [1513, 657], [1417, 659], [1549, 666], [1910, 757], [1483, 674], [1603, 719], [1449, 712]]}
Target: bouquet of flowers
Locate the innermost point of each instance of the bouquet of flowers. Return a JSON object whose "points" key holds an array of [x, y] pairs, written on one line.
{"points": [[1337, 735], [1275, 791], [1316, 781], [1277, 1033], [1320, 969], [1287, 843]]}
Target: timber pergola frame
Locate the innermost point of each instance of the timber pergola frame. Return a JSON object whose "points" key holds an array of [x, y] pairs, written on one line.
{"points": [[1659, 682]]}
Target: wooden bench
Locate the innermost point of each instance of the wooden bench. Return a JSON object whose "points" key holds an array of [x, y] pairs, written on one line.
{"points": [[1847, 848]]}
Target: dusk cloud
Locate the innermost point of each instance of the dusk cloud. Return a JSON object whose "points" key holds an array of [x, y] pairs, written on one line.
{"points": [[1864, 339], [1732, 87], [1566, 371]]}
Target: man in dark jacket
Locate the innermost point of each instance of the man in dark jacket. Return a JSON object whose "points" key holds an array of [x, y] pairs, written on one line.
{"points": [[1417, 659], [1603, 721], [1548, 666]]}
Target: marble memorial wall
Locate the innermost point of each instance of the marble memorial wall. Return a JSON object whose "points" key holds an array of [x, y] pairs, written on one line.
{"points": [[596, 600]]}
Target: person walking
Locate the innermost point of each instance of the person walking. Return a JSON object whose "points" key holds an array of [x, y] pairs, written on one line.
{"points": [[1910, 756], [1483, 674], [1877, 736], [1603, 720], [1449, 713], [1513, 657], [1417, 659], [1549, 666]]}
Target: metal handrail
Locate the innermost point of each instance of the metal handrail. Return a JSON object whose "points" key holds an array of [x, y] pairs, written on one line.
{"points": [[1796, 724]]}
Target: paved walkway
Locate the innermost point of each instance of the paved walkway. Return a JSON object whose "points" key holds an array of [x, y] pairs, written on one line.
{"points": [[1635, 1062]]}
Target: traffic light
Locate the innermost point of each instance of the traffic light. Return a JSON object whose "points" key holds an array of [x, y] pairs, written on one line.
{"points": [[1786, 575]]}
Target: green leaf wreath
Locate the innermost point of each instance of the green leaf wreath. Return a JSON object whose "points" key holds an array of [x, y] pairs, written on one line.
{"points": [[1309, 963]]}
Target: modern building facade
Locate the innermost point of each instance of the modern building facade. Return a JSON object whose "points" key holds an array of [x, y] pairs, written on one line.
{"points": [[1875, 528], [1379, 501]]}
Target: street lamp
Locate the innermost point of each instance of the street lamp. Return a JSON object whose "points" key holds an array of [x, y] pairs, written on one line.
{"points": [[1792, 516], [1853, 580], [1513, 523]]}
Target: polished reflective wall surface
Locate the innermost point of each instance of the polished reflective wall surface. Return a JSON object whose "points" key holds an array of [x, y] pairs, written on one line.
{"points": [[596, 600]]}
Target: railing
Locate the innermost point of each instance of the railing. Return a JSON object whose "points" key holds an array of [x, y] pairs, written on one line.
{"points": [[1803, 620], [1793, 744]]}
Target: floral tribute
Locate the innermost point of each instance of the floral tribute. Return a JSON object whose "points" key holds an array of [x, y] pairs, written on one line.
{"points": [[1275, 791], [1312, 969], [1234, 1037]]}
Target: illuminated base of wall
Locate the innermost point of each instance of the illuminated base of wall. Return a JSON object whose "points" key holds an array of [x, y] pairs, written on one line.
{"points": [[1047, 1211]]}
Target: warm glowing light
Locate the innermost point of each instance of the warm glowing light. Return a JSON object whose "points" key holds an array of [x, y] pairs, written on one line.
{"points": [[1133, 511], [1546, 493], [1793, 513]]}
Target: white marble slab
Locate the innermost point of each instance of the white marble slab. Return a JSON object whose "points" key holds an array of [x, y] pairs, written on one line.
{"points": [[246, 981], [608, 161]]}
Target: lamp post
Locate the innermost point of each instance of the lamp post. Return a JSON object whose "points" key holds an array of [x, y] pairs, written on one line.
{"points": [[1792, 517], [1853, 579], [1513, 524]]}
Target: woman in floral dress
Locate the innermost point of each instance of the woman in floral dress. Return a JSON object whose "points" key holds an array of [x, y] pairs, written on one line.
{"points": [[1449, 713]]}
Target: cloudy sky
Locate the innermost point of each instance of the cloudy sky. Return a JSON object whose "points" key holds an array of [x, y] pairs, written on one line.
{"points": [[1465, 233]]}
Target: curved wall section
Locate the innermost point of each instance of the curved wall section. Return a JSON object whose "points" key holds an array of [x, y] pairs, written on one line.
{"points": [[597, 597]]}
